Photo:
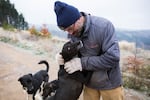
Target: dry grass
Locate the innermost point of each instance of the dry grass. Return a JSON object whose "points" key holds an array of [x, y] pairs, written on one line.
{"points": [[128, 46]]}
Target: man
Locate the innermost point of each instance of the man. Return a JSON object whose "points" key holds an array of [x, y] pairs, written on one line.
{"points": [[100, 52]]}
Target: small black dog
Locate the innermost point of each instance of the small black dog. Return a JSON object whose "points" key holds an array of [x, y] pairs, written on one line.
{"points": [[70, 85], [32, 83]]}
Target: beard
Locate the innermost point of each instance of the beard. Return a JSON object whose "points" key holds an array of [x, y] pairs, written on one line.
{"points": [[78, 32]]}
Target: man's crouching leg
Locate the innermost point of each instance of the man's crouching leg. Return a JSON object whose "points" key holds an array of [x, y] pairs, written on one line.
{"points": [[112, 94], [90, 94]]}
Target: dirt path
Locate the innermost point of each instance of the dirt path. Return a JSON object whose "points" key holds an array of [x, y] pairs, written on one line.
{"points": [[13, 64]]}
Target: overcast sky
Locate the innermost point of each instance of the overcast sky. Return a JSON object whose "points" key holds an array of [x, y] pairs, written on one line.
{"points": [[127, 14]]}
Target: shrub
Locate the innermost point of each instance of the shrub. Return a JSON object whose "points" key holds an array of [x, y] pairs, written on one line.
{"points": [[134, 64], [43, 32], [136, 83], [125, 45], [137, 74], [144, 72], [33, 31], [8, 27]]}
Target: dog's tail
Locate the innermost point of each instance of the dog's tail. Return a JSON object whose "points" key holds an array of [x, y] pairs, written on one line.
{"points": [[46, 63]]}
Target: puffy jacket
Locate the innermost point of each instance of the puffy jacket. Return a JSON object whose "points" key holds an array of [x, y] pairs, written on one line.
{"points": [[100, 53]]}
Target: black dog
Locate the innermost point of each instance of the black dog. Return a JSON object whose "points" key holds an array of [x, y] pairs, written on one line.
{"points": [[33, 82], [70, 85], [69, 51]]}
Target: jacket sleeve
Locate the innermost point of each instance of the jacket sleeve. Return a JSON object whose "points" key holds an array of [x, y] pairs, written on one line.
{"points": [[110, 52]]}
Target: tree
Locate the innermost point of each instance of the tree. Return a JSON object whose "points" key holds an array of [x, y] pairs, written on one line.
{"points": [[9, 15]]}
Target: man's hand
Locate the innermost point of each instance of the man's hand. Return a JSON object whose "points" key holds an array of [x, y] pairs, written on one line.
{"points": [[59, 59], [73, 65]]}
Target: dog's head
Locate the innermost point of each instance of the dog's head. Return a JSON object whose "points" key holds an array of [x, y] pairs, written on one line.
{"points": [[27, 83], [49, 88], [70, 50]]}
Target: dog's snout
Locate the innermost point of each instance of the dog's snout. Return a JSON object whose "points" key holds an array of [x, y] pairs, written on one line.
{"points": [[80, 44], [25, 88]]}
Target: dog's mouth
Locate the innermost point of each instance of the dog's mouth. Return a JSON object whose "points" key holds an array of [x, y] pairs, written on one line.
{"points": [[28, 89]]}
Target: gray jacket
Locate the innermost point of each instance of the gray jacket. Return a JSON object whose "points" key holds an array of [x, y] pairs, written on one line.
{"points": [[100, 53]]}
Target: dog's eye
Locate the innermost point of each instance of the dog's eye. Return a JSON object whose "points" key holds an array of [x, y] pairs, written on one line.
{"points": [[68, 48]]}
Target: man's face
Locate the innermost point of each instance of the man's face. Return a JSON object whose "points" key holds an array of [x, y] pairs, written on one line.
{"points": [[73, 29]]}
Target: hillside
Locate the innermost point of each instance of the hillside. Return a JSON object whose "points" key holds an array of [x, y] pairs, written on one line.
{"points": [[140, 37]]}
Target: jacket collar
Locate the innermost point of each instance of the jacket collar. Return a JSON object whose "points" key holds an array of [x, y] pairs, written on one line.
{"points": [[86, 25]]}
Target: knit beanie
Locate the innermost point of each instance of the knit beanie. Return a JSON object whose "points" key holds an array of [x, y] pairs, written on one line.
{"points": [[66, 14]]}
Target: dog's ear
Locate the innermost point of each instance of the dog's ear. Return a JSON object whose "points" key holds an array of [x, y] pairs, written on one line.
{"points": [[20, 79], [30, 74]]}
